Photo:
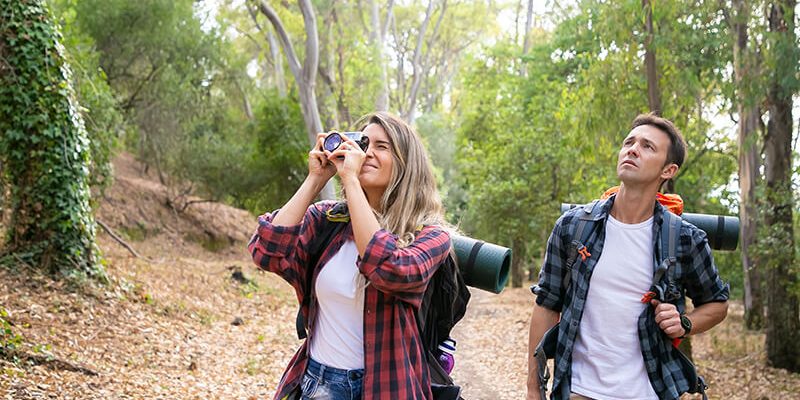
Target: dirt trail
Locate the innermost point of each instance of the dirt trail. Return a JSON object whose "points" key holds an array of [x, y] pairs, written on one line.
{"points": [[492, 345]]}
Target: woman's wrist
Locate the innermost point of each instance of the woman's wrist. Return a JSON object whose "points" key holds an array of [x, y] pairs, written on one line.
{"points": [[315, 183], [350, 183]]}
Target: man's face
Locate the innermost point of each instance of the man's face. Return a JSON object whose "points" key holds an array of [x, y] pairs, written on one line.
{"points": [[643, 156]]}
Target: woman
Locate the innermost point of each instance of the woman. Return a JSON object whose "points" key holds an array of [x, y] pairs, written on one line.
{"points": [[363, 338]]}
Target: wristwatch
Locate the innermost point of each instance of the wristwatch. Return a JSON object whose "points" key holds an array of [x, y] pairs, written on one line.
{"points": [[686, 324]]}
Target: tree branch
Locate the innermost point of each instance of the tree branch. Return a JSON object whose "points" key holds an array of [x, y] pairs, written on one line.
{"points": [[117, 238], [283, 36], [312, 42], [416, 63], [389, 16]]}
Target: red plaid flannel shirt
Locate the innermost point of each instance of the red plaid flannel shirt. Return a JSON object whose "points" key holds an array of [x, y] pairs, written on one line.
{"points": [[395, 367]]}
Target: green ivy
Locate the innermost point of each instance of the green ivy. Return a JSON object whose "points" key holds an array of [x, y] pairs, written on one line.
{"points": [[9, 341], [44, 147]]}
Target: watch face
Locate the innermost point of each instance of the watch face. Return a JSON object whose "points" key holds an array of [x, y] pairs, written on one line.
{"points": [[686, 323]]}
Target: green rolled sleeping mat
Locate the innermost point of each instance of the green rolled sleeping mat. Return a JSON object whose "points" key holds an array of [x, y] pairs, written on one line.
{"points": [[483, 265]]}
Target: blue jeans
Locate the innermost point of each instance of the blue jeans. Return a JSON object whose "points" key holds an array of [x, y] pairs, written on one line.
{"points": [[322, 382]]}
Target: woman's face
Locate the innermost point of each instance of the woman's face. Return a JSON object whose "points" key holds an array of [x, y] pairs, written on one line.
{"points": [[376, 172]]}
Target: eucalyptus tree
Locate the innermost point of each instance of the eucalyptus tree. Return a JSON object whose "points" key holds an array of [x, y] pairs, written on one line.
{"points": [[783, 299], [748, 97], [587, 79], [305, 74]]}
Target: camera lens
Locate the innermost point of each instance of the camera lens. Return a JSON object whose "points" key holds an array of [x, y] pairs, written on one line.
{"points": [[332, 141], [335, 139]]}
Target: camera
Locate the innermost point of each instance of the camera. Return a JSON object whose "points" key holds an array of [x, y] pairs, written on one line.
{"points": [[335, 139]]}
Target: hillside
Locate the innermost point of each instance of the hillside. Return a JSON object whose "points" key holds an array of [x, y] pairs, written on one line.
{"points": [[175, 324], [163, 327]]}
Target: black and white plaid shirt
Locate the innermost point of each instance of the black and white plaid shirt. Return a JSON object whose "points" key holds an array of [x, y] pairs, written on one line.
{"points": [[695, 275]]}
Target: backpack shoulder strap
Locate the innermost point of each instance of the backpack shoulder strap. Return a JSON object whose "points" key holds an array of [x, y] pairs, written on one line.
{"points": [[443, 304], [665, 259], [670, 231], [670, 235], [580, 239]]}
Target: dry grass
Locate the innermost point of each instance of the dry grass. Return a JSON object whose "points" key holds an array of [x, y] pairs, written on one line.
{"points": [[159, 331]]}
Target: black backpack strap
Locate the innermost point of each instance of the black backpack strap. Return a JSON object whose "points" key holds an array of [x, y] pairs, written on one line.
{"points": [[670, 231], [316, 247], [581, 239], [670, 234], [545, 350], [443, 305]]}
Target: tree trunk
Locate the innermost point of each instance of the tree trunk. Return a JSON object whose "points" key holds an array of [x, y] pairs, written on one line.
{"points": [[280, 79], [654, 104], [749, 164], [526, 43], [783, 307], [517, 270], [246, 106], [325, 70], [306, 75], [416, 63], [376, 37], [653, 93], [46, 148]]}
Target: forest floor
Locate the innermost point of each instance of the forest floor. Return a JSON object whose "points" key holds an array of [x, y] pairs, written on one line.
{"points": [[176, 323]]}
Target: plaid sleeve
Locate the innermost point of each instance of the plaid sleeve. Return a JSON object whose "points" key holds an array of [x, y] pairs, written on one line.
{"points": [[283, 249], [701, 279], [549, 291], [404, 272]]}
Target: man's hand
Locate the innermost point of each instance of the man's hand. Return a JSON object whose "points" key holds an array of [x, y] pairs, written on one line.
{"points": [[542, 319], [533, 395], [668, 319]]}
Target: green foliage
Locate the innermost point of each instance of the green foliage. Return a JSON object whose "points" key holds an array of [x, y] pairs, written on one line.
{"points": [[526, 144], [439, 135], [162, 67], [255, 165], [44, 147], [103, 119], [278, 156], [9, 341]]}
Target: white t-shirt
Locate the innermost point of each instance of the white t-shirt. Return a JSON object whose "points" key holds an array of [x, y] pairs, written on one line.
{"points": [[338, 339], [607, 360]]}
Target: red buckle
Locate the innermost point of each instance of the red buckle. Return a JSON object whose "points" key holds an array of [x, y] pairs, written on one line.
{"points": [[584, 253], [648, 296]]}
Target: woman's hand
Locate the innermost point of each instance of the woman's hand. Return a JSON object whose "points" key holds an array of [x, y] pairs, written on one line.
{"points": [[320, 171], [348, 159], [319, 168]]}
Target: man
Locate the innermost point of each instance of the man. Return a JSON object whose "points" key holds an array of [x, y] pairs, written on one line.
{"points": [[608, 343]]}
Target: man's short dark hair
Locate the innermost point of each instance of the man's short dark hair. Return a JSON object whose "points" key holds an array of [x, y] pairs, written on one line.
{"points": [[677, 148]]}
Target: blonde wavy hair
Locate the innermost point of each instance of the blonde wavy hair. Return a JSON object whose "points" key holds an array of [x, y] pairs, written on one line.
{"points": [[411, 199]]}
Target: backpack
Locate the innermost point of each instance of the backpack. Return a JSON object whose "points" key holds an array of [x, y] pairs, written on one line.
{"points": [[444, 303], [663, 290]]}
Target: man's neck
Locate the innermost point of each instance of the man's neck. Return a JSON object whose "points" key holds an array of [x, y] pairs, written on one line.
{"points": [[633, 204]]}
